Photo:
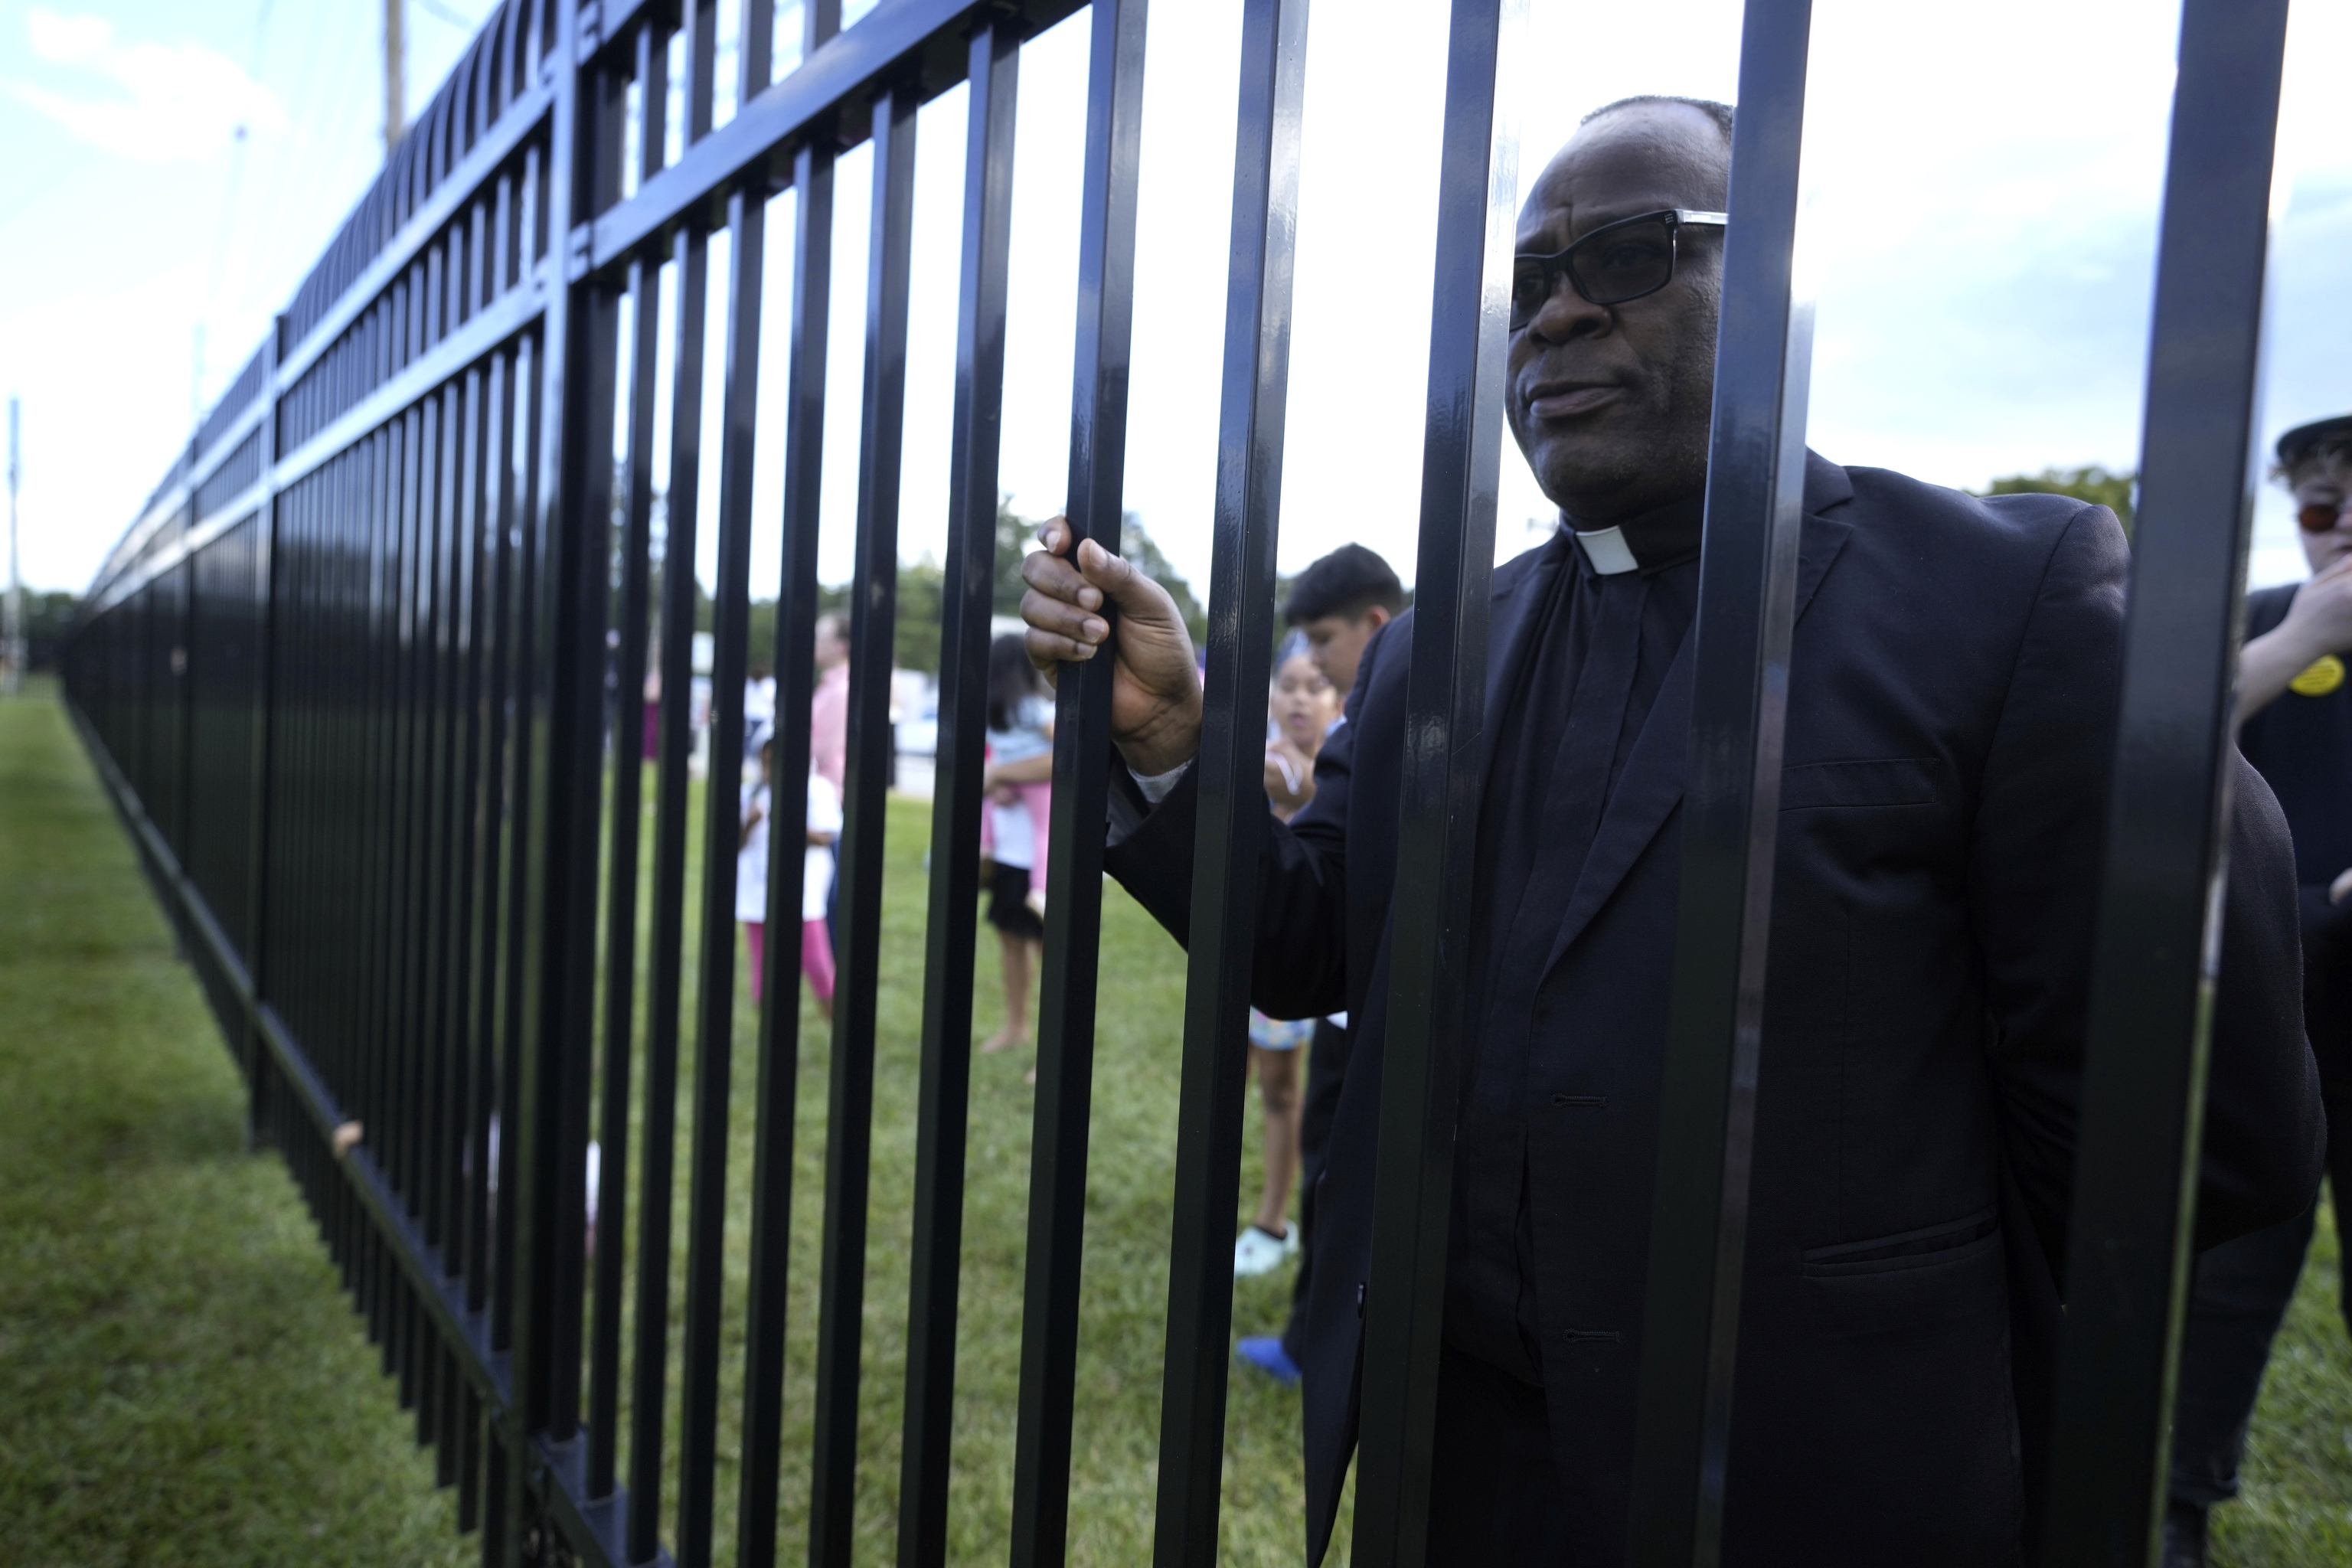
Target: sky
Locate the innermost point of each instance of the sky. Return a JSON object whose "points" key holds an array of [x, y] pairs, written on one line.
{"points": [[1983, 182]]}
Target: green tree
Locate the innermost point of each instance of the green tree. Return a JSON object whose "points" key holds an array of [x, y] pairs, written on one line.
{"points": [[922, 601], [2090, 482], [1016, 536], [48, 622]]}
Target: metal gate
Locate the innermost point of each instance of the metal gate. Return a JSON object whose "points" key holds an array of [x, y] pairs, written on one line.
{"points": [[346, 678]]}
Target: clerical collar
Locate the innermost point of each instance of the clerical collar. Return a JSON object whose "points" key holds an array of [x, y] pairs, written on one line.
{"points": [[1669, 535], [1606, 551]]}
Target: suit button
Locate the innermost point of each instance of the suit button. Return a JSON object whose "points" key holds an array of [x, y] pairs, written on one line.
{"points": [[1360, 1298]]}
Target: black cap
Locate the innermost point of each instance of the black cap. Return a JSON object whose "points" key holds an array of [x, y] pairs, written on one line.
{"points": [[1346, 582], [2298, 443]]}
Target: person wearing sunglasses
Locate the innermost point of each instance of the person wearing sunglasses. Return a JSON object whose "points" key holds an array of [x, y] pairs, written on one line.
{"points": [[2294, 711], [1951, 700]]}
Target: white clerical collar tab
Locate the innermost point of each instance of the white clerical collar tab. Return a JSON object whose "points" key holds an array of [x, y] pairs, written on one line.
{"points": [[1607, 551]]}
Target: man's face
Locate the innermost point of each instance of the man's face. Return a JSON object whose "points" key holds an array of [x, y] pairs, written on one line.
{"points": [[1337, 645], [1611, 403], [2326, 481]]}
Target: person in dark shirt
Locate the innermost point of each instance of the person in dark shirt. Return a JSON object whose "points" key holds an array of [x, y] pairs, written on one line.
{"points": [[1952, 690], [1338, 604], [2294, 711]]}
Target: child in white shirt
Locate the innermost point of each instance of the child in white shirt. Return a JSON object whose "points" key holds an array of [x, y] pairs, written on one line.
{"points": [[816, 880]]}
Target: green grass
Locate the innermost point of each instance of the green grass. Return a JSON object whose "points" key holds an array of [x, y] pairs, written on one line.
{"points": [[1131, 1175], [2296, 1505], [180, 1383], [181, 1380]]}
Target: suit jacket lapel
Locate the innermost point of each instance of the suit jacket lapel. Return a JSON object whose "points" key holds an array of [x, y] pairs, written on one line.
{"points": [[1512, 622], [1652, 784]]}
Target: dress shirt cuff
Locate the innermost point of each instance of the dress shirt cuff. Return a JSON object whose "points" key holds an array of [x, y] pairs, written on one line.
{"points": [[1156, 786]]}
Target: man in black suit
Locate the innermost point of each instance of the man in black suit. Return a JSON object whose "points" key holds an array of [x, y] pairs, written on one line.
{"points": [[2295, 710], [1952, 700]]}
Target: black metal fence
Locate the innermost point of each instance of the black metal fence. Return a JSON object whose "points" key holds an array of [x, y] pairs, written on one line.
{"points": [[346, 678]]}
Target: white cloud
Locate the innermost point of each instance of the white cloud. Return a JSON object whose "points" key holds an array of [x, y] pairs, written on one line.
{"points": [[153, 103]]}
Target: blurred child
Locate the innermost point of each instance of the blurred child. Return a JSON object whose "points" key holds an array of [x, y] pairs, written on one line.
{"points": [[1300, 709], [816, 880], [1020, 935], [1020, 754]]}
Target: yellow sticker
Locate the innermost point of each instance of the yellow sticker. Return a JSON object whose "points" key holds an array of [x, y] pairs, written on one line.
{"points": [[2324, 676]]}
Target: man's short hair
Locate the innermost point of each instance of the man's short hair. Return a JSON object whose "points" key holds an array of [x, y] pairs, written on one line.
{"points": [[1718, 112], [2321, 441], [1346, 583]]}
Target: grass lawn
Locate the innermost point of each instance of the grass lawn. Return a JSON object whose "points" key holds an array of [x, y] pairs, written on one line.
{"points": [[2296, 1505], [180, 1381], [1132, 1163]]}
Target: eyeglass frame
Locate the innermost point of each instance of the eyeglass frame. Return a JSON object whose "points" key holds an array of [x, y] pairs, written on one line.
{"points": [[1557, 265]]}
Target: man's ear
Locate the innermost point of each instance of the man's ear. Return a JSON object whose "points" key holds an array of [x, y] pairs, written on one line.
{"points": [[1376, 616]]}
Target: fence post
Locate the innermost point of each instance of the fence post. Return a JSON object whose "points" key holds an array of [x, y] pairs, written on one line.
{"points": [[1066, 993], [1232, 811], [1730, 814], [2168, 804], [263, 631], [565, 521], [1445, 721]]}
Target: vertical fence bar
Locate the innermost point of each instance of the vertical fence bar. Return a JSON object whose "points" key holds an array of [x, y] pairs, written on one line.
{"points": [[1443, 764], [517, 968], [722, 827], [1232, 810], [260, 821], [2168, 804], [873, 635], [621, 910], [1730, 815], [647, 69], [953, 921], [777, 1092], [1065, 1011], [667, 935], [496, 891], [681, 514], [652, 60], [560, 788], [583, 184]]}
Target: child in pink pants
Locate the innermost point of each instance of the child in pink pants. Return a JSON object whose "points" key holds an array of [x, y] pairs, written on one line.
{"points": [[816, 880]]}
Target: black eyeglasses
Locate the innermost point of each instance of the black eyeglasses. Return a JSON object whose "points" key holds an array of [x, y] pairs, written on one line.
{"points": [[1616, 262]]}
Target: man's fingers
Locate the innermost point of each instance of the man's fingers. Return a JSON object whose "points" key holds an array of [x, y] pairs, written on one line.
{"points": [[1050, 574], [1046, 613], [1049, 652], [1134, 593]]}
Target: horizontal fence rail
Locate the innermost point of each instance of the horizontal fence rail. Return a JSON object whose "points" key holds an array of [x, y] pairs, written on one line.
{"points": [[370, 676]]}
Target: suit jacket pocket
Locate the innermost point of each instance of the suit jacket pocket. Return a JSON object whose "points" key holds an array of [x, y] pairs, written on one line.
{"points": [[1885, 780], [1914, 1280]]}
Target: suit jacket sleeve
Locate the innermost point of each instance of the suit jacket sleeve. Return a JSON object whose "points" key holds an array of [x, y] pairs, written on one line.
{"points": [[1301, 944], [2033, 890]]}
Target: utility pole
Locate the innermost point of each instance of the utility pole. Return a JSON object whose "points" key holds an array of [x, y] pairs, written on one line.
{"points": [[14, 631], [395, 74]]}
